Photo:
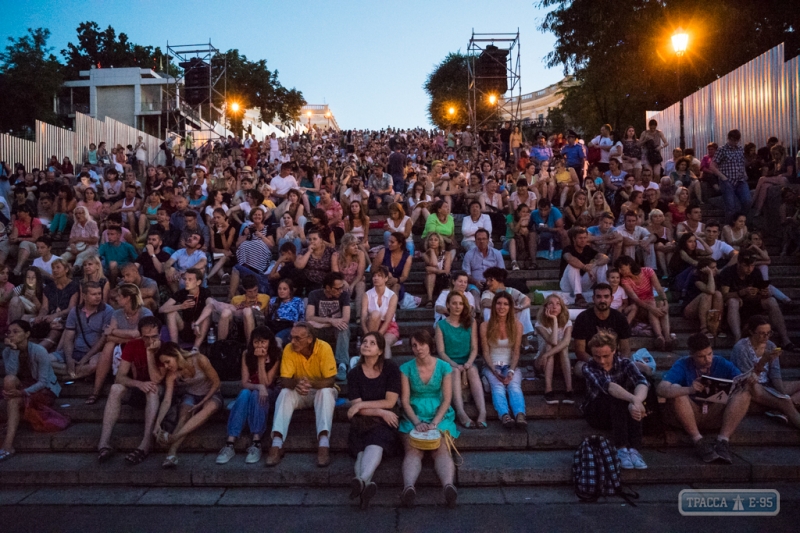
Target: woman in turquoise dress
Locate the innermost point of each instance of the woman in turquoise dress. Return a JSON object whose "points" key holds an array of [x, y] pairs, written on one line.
{"points": [[426, 393], [457, 344]]}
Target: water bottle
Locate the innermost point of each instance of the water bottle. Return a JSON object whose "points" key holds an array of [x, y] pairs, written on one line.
{"points": [[212, 336], [358, 345], [552, 250]]}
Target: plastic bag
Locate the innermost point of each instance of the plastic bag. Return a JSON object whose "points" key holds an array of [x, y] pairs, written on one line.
{"points": [[44, 419]]}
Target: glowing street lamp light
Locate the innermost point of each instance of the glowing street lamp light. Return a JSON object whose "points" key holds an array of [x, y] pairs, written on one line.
{"points": [[235, 107], [492, 99], [680, 42], [451, 110]]}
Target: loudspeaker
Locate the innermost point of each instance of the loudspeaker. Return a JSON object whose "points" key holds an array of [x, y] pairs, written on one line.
{"points": [[491, 72], [196, 80]]}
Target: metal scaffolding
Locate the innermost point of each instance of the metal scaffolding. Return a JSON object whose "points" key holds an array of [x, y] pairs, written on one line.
{"points": [[498, 52], [198, 119]]}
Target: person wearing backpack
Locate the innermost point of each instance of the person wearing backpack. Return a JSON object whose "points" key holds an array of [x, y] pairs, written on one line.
{"points": [[615, 394]]}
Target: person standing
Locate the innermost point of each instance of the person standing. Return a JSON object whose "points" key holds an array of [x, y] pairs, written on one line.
{"points": [[729, 166]]}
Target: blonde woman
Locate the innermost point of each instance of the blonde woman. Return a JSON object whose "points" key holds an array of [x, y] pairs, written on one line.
{"points": [[193, 375], [93, 271], [352, 264], [554, 329], [598, 206], [83, 238], [438, 262]]}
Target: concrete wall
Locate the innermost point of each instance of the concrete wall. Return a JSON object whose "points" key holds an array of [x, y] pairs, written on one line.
{"points": [[117, 103]]}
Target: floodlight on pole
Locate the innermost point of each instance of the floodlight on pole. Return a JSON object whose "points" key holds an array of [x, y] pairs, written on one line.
{"points": [[680, 42]]}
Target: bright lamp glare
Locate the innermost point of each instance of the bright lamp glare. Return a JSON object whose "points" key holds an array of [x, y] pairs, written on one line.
{"points": [[492, 99], [308, 113], [452, 110], [680, 41], [234, 107]]}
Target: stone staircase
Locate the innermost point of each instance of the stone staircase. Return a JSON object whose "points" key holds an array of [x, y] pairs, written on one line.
{"points": [[764, 450]]}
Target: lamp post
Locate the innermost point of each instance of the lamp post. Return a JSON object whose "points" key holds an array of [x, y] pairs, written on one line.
{"points": [[308, 114], [680, 41], [328, 117]]}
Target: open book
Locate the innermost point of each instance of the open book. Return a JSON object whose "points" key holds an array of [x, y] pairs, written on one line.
{"points": [[716, 390]]}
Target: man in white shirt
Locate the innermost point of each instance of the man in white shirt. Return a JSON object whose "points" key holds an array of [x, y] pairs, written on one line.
{"points": [[141, 156], [282, 184], [248, 141], [646, 183], [722, 252], [355, 193], [604, 142], [635, 236]]}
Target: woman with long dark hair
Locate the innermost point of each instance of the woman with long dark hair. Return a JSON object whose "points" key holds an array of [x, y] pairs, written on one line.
{"points": [[501, 337], [259, 392]]}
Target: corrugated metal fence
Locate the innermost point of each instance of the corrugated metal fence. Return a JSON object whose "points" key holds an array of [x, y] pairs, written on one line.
{"points": [[52, 140], [759, 98]]}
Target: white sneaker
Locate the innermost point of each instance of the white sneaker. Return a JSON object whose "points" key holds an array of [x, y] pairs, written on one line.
{"points": [[514, 265], [637, 459], [624, 457], [253, 454], [354, 362], [225, 454]]}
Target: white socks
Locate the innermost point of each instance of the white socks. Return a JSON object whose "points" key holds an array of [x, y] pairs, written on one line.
{"points": [[277, 442], [324, 442]]}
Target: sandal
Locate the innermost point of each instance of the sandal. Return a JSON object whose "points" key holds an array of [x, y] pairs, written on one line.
{"points": [[162, 437], [507, 421], [136, 456], [429, 305], [92, 399], [104, 454], [482, 425], [5, 455], [170, 462], [469, 424]]}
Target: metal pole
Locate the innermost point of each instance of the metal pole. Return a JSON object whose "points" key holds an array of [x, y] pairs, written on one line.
{"points": [[680, 106]]}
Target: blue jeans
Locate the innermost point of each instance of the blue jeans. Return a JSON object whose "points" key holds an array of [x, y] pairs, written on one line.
{"points": [[246, 409], [730, 195], [263, 280], [499, 391]]}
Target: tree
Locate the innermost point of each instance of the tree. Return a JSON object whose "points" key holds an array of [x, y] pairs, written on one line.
{"points": [[252, 85], [30, 76], [621, 55], [447, 86], [104, 49]]}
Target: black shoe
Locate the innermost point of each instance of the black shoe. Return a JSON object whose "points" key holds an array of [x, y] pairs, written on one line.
{"points": [[723, 451], [369, 491], [550, 398], [569, 398], [356, 488], [705, 450], [450, 496], [408, 497]]}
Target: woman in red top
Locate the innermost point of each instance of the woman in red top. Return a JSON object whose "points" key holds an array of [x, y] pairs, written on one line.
{"points": [[677, 208], [639, 283], [23, 236]]}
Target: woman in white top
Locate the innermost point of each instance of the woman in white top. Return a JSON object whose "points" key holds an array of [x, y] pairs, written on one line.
{"points": [[398, 222], [419, 203], [378, 307], [501, 336], [438, 262], [471, 223], [554, 329], [604, 142]]}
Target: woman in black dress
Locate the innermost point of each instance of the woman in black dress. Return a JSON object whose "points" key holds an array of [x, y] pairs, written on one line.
{"points": [[373, 388]]}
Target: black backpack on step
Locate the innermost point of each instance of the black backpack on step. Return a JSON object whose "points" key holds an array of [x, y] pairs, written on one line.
{"points": [[226, 358]]}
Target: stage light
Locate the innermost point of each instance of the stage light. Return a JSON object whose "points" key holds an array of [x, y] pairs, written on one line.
{"points": [[234, 107], [492, 99]]}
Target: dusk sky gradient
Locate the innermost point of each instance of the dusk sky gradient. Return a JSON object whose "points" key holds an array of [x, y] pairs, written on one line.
{"points": [[367, 59]]}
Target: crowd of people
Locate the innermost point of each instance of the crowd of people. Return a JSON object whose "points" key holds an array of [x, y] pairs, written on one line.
{"points": [[285, 225]]}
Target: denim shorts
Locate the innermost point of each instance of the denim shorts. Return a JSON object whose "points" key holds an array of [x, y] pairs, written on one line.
{"points": [[194, 399]]}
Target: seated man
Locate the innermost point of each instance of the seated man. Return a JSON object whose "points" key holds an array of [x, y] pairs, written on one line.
{"points": [[192, 256], [148, 288], [615, 394], [253, 257], [185, 307], [137, 384], [154, 257], [242, 309], [604, 239], [308, 371], [28, 376], [600, 317], [480, 258], [284, 268], [635, 236], [81, 346], [679, 386], [115, 254], [328, 311], [129, 207], [496, 282], [581, 266], [722, 252], [746, 293], [546, 228]]}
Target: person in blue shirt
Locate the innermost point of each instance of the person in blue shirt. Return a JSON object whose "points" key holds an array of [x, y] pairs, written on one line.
{"points": [[546, 225], [575, 154], [681, 384], [115, 254], [541, 152]]}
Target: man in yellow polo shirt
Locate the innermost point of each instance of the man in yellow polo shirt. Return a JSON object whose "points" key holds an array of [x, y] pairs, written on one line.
{"points": [[308, 374]]}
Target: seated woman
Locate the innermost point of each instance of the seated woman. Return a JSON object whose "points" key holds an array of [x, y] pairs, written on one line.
{"points": [[736, 234], [319, 223], [223, 245], [148, 218], [259, 391], [83, 238], [575, 209], [65, 205], [501, 337], [284, 311], [373, 387], [334, 216], [317, 261], [684, 176], [516, 239], [639, 284], [459, 281], [755, 245], [598, 206], [352, 264], [378, 308], [427, 391], [294, 206], [554, 329], [22, 239], [687, 254], [357, 224], [703, 300], [124, 326], [216, 200], [29, 380], [93, 271], [457, 345], [664, 246], [438, 262], [399, 222], [59, 297], [198, 382], [777, 173], [769, 389], [615, 394], [419, 203], [441, 222], [678, 206], [290, 231], [27, 298], [634, 203], [397, 261], [566, 181], [92, 204]]}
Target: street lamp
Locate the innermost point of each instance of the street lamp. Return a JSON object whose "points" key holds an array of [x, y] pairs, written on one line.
{"points": [[308, 114], [328, 117], [235, 107], [680, 42], [492, 99]]}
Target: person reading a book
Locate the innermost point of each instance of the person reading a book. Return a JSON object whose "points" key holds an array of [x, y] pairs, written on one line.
{"points": [[693, 387], [768, 389]]}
